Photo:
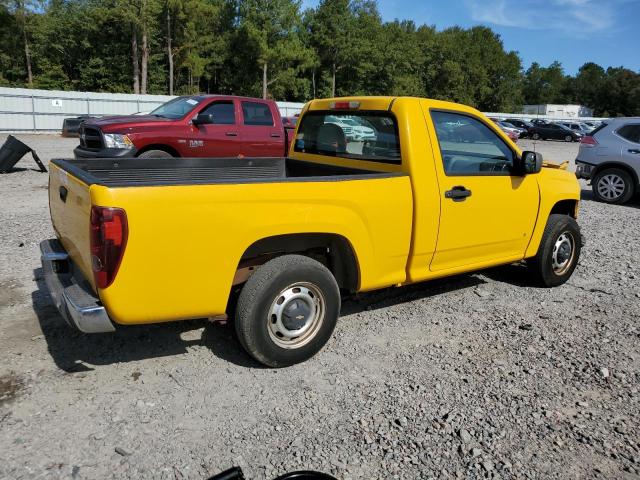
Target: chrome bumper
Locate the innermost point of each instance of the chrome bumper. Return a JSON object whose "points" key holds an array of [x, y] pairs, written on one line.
{"points": [[74, 300]]}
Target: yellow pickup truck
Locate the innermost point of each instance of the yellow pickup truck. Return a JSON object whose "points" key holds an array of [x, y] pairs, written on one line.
{"points": [[375, 192]]}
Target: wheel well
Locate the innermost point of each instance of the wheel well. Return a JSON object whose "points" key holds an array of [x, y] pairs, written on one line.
{"points": [[334, 251], [165, 148], [620, 166], [565, 207]]}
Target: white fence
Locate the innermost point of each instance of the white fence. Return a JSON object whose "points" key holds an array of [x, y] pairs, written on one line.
{"points": [[27, 110]]}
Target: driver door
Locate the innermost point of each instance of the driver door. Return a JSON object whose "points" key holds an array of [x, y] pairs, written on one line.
{"points": [[222, 138], [487, 214]]}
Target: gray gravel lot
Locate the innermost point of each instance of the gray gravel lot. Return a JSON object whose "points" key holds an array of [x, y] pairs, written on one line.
{"points": [[477, 376]]}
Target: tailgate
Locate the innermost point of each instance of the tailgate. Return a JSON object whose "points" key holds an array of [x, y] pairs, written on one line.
{"points": [[70, 206]]}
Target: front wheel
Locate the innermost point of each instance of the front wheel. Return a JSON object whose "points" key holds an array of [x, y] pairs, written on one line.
{"points": [[568, 138], [287, 310], [155, 154], [536, 136], [559, 251]]}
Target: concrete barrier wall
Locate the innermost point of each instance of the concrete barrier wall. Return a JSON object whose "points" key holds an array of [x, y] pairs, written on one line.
{"points": [[23, 109]]}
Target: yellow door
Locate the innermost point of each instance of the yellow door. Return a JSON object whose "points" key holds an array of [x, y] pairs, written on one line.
{"points": [[487, 213]]}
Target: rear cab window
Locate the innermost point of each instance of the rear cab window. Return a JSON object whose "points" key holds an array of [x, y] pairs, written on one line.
{"points": [[358, 135], [257, 114]]}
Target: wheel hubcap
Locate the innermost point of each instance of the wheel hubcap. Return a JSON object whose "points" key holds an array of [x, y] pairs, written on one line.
{"points": [[611, 187], [563, 252], [296, 315]]}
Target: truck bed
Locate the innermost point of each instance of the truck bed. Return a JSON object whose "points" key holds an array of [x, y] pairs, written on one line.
{"points": [[129, 172]]}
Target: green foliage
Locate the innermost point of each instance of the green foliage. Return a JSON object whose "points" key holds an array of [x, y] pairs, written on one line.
{"points": [[342, 46]]}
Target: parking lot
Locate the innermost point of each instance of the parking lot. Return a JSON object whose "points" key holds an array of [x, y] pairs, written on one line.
{"points": [[476, 376]]}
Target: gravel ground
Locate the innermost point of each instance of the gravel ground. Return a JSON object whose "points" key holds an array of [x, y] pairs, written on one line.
{"points": [[477, 376]]}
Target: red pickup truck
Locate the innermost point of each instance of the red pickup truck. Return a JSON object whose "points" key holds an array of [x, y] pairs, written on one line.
{"points": [[190, 126]]}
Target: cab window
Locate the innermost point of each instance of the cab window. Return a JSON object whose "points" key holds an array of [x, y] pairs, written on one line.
{"points": [[469, 147], [257, 114], [359, 135], [223, 113]]}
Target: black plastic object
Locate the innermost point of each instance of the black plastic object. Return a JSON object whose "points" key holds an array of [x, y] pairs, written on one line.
{"points": [[306, 475], [235, 473], [70, 126], [12, 151]]}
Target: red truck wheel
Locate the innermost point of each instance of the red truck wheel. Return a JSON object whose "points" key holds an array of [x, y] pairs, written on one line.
{"points": [[155, 154], [287, 310]]}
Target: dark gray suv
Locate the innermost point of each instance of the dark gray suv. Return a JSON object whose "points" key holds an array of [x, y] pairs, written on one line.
{"points": [[610, 158]]}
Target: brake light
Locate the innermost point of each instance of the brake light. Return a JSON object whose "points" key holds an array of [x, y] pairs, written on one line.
{"points": [[344, 105], [588, 141], [108, 239]]}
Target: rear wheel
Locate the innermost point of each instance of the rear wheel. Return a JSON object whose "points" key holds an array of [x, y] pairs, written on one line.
{"points": [[559, 251], [287, 310], [613, 185], [155, 154]]}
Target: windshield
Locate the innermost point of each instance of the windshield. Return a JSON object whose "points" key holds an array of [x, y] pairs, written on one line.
{"points": [[330, 133], [176, 108]]}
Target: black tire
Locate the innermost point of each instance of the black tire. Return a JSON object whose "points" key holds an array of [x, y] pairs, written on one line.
{"points": [[535, 136], [257, 326], [613, 180], [547, 267], [568, 138], [155, 154]]}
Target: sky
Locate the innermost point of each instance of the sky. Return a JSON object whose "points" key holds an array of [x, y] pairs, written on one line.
{"points": [[573, 32]]}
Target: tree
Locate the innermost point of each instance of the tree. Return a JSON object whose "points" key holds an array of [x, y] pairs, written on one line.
{"points": [[331, 31], [545, 84], [270, 29]]}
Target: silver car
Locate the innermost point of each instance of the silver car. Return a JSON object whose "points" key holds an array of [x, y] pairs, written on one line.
{"points": [[610, 158]]}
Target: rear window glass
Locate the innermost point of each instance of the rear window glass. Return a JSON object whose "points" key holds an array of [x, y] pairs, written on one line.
{"points": [[256, 114], [630, 132], [371, 136], [598, 128]]}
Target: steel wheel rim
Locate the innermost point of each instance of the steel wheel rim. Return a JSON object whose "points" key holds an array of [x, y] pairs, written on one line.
{"points": [[286, 327], [611, 186], [568, 138], [563, 253]]}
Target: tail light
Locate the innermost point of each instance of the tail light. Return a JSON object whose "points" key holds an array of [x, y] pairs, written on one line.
{"points": [[108, 239], [588, 141]]}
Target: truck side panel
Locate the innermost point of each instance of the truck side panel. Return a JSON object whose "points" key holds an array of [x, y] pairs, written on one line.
{"points": [[185, 242]]}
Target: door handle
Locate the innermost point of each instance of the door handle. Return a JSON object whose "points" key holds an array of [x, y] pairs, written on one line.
{"points": [[231, 134], [635, 151], [458, 193], [275, 135]]}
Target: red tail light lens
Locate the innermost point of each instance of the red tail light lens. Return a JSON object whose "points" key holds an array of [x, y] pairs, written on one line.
{"points": [[588, 141], [108, 239]]}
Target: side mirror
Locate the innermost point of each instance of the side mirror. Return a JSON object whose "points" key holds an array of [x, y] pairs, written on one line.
{"points": [[203, 119], [529, 162]]}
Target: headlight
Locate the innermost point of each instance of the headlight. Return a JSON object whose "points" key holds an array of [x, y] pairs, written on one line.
{"points": [[115, 140]]}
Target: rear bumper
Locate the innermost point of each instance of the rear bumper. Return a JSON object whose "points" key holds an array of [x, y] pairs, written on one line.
{"points": [[80, 152], [584, 170], [71, 295]]}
